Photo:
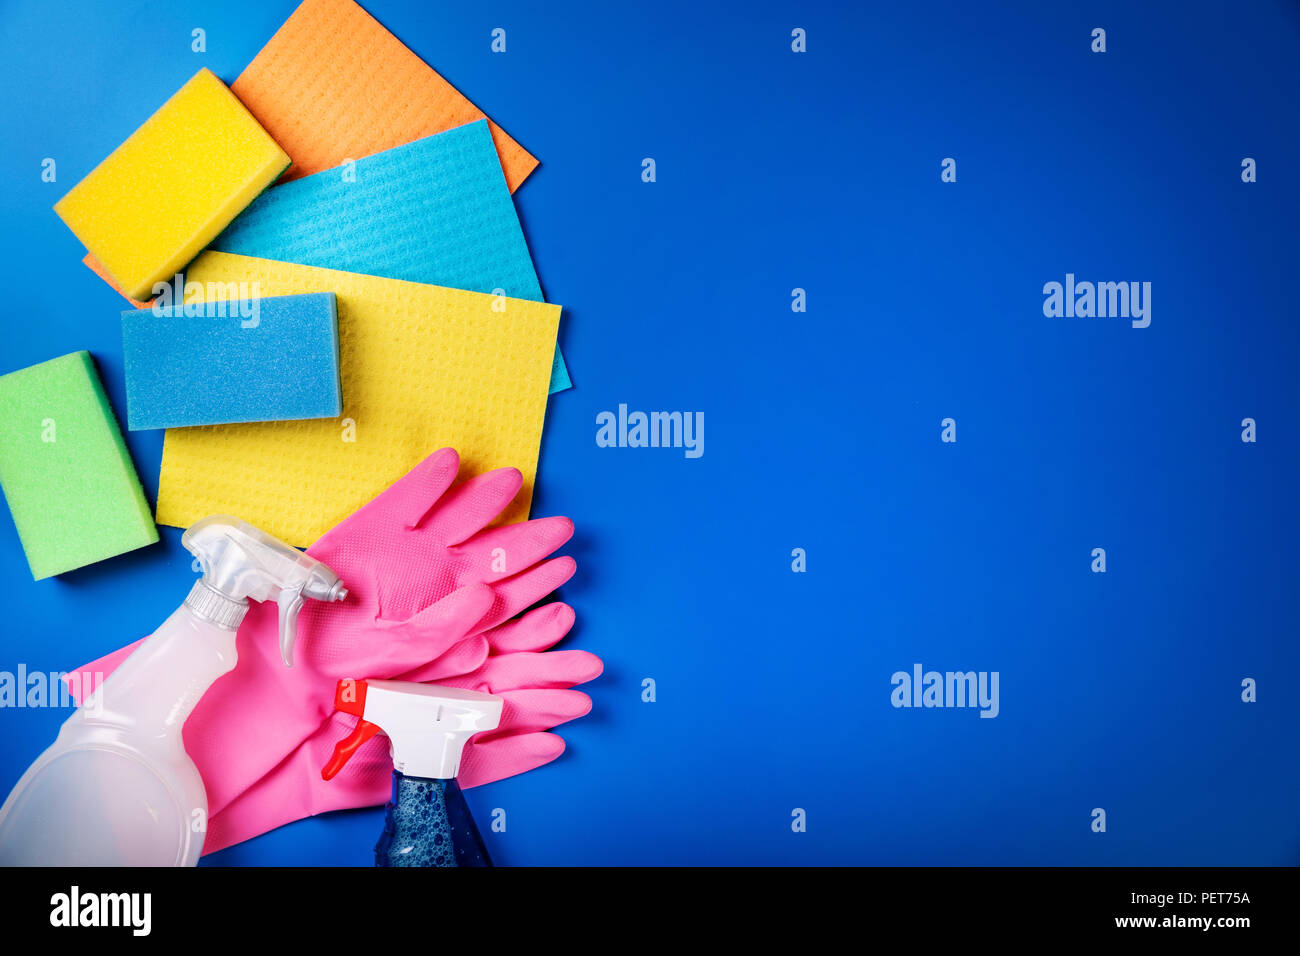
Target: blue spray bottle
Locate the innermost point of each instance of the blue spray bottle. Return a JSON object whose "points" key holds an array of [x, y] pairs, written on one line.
{"points": [[428, 822]]}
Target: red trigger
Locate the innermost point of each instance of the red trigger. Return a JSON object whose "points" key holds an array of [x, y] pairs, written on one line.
{"points": [[345, 748], [350, 698]]}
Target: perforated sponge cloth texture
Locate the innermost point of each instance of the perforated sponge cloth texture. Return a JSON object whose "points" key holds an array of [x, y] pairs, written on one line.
{"points": [[66, 474], [177, 181], [435, 210], [333, 85], [423, 367]]}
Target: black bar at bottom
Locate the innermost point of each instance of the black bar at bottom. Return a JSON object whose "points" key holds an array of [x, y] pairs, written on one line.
{"points": [[326, 907]]}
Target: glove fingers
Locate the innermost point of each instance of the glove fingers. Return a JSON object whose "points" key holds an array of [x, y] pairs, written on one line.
{"points": [[425, 569], [528, 711], [465, 657], [294, 790], [403, 504], [496, 553], [540, 628], [525, 589], [473, 505], [400, 646], [507, 756], [547, 669]]}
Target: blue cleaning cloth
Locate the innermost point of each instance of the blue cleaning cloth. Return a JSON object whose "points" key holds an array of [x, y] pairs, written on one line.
{"points": [[436, 210], [251, 360]]}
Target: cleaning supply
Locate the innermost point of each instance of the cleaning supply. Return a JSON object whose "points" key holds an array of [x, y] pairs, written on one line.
{"points": [[536, 685], [428, 821], [66, 473], [177, 181], [427, 579], [97, 267], [258, 360], [435, 211], [117, 787], [422, 367], [363, 90]]}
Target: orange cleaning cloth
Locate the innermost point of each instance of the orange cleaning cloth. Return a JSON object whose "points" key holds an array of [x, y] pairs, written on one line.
{"points": [[333, 85]]}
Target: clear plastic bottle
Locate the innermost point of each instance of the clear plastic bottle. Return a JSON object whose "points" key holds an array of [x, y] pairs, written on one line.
{"points": [[116, 788], [428, 823]]}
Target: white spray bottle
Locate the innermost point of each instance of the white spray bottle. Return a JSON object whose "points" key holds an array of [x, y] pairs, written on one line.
{"points": [[428, 821], [116, 788]]}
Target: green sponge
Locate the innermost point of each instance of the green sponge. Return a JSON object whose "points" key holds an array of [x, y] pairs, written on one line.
{"points": [[65, 470]]}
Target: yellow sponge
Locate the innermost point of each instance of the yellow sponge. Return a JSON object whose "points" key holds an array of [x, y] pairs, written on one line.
{"points": [[422, 367], [177, 181]]}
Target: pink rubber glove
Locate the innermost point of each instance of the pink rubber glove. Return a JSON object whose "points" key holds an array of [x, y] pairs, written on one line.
{"points": [[534, 682], [422, 575]]}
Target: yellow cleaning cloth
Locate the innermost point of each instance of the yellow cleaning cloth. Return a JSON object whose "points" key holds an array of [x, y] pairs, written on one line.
{"points": [[423, 367], [177, 181]]}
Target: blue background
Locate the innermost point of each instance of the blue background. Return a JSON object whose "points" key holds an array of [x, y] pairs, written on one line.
{"points": [[821, 171]]}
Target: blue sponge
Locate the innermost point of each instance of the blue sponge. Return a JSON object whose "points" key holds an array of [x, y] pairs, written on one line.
{"points": [[436, 211], [214, 363]]}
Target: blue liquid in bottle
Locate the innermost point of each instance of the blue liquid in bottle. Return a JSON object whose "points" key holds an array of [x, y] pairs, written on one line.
{"points": [[428, 824]]}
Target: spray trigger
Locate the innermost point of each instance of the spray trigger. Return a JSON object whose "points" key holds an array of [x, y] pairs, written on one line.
{"points": [[350, 698], [242, 563], [345, 748], [290, 602], [427, 725]]}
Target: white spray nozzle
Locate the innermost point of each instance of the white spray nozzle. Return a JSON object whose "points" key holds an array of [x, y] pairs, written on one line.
{"points": [[427, 725], [241, 562]]}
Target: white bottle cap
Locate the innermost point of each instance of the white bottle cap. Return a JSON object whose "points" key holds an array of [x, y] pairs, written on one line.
{"points": [[427, 725]]}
